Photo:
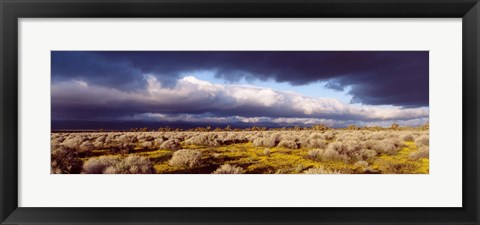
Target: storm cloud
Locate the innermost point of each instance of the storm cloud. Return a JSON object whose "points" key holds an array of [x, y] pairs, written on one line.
{"points": [[376, 77]]}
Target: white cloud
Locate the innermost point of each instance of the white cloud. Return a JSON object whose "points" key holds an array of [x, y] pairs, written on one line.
{"points": [[80, 83], [192, 96]]}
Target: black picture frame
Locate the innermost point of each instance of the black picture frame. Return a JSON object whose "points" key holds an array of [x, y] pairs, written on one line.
{"points": [[12, 10]]}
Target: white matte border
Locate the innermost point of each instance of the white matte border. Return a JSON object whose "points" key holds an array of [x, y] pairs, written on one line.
{"points": [[441, 188]]}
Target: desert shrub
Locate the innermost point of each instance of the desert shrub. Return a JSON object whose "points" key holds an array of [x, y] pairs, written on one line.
{"points": [[396, 167], [329, 135], [98, 165], [221, 141], [141, 136], [57, 136], [186, 158], [65, 160], [422, 152], [422, 141], [158, 141], [229, 169], [368, 144], [365, 154], [258, 142], [355, 136], [386, 146], [123, 148], [352, 127], [362, 137], [350, 135], [266, 152], [56, 142], [251, 137], [109, 138], [407, 137], [288, 144], [324, 155], [346, 146], [101, 139], [320, 170], [274, 137], [397, 141], [197, 140], [320, 127], [361, 165], [379, 135], [299, 168], [281, 170], [97, 144], [86, 147], [120, 143], [132, 164], [288, 137], [264, 142], [316, 143], [208, 139], [125, 139], [149, 138], [314, 153], [115, 165], [316, 136], [148, 145], [170, 145], [73, 142], [312, 143], [232, 138]]}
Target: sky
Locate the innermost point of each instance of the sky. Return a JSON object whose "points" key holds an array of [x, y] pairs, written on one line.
{"points": [[240, 88]]}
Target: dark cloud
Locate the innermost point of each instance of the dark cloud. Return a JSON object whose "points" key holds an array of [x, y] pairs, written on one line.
{"points": [[78, 101], [376, 77]]}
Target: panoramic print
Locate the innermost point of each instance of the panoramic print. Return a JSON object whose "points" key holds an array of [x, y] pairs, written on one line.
{"points": [[240, 112]]}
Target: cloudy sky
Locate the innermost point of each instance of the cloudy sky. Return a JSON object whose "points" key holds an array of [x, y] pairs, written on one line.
{"points": [[272, 88]]}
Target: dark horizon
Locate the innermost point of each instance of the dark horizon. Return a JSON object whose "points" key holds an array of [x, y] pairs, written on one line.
{"points": [[127, 126]]}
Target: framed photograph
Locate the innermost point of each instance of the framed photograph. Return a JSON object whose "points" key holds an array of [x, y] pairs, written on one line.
{"points": [[239, 112]]}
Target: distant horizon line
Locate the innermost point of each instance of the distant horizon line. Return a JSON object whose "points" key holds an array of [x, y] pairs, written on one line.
{"points": [[317, 127]]}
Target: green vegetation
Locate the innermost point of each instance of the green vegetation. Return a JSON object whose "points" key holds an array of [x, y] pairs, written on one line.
{"points": [[318, 150]]}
